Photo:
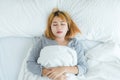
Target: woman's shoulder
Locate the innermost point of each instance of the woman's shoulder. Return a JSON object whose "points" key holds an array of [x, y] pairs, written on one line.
{"points": [[40, 38], [76, 44], [76, 40], [46, 41]]}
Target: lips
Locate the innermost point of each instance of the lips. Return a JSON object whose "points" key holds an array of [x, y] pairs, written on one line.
{"points": [[59, 32]]}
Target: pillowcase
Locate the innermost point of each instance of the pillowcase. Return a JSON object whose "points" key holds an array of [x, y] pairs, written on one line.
{"points": [[106, 52], [23, 18]]}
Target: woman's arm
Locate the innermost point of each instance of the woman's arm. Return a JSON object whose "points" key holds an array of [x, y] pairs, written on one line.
{"points": [[58, 75], [81, 58], [71, 69], [82, 66], [58, 72], [32, 64]]}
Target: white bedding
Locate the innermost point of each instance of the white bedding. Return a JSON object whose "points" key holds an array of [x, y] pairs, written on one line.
{"points": [[12, 52], [104, 62]]}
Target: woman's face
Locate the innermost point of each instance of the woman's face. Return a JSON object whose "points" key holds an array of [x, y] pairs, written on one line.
{"points": [[59, 27]]}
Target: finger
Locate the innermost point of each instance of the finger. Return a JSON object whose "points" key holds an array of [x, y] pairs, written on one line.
{"points": [[56, 76], [44, 72], [51, 75], [48, 73]]}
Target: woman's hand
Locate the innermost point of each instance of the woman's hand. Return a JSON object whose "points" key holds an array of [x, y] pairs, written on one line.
{"points": [[45, 71], [62, 77], [54, 73], [57, 72]]}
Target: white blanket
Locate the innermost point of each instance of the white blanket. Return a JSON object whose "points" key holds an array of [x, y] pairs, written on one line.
{"points": [[52, 56]]}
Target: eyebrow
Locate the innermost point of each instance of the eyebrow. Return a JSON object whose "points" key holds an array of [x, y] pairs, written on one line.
{"points": [[56, 22]]}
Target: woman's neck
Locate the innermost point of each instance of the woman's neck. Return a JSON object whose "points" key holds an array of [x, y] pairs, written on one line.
{"points": [[61, 41]]}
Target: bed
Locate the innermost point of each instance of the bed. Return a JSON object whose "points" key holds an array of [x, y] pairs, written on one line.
{"points": [[23, 21]]}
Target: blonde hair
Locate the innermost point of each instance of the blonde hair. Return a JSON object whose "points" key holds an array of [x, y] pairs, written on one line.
{"points": [[73, 29]]}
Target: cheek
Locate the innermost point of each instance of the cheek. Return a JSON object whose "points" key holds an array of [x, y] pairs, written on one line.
{"points": [[66, 28], [53, 29]]}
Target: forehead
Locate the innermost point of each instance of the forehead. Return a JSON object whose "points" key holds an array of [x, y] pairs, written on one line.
{"points": [[58, 19]]}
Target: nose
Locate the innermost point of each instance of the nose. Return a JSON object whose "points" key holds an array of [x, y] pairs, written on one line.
{"points": [[59, 26]]}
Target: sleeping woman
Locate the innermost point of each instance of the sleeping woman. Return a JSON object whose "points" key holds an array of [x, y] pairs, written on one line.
{"points": [[58, 54]]}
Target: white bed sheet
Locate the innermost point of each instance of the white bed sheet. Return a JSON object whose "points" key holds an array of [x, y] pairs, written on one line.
{"points": [[104, 62], [12, 53]]}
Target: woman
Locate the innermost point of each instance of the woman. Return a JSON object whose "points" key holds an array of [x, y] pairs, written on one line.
{"points": [[60, 30]]}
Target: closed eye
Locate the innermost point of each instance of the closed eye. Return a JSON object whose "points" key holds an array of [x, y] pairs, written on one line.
{"points": [[62, 24], [55, 24]]}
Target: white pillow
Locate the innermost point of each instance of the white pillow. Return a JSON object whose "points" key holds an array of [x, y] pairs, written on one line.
{"points": [[107, 52], [24, 17]]}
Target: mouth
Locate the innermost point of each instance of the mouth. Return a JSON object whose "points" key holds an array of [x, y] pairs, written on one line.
{"points": [[59, 32]]}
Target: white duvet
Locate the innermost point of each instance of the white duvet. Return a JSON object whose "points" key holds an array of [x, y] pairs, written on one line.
{"points": [[54, 56]]}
